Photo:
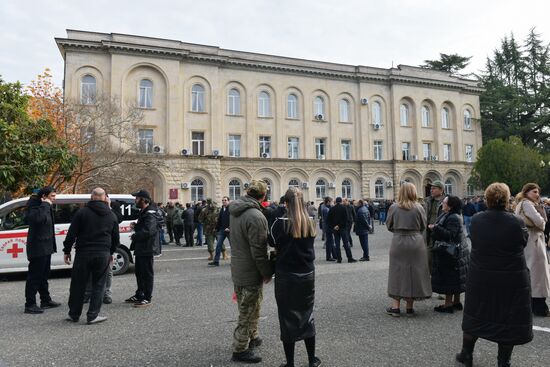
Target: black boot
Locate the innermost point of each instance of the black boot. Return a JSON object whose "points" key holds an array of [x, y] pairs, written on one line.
{"points": [[247, 356], [465, 358], [504, 355]]}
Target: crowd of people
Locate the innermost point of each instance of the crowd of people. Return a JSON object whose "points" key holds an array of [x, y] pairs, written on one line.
{"points": [[493, 249]]}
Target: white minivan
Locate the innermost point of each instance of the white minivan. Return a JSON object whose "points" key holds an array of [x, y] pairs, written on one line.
{"points": [[13, 230]]}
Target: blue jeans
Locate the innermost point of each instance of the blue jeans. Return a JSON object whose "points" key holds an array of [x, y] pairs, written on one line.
{"points": [[343, 235], [199, 234], [382, 217], [468, 223], [329, 245], [364, 239], [221, 237]]}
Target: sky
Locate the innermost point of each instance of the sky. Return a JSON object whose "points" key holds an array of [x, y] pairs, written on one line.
{"points": [[357, 32]]}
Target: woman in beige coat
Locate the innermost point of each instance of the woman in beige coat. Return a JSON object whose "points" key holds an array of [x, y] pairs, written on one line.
{"points": [[409, 275], [534, 216]]}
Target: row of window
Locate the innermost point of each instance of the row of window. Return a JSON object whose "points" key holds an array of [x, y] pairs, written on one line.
{"points": [[293, 147], [198, 104]]}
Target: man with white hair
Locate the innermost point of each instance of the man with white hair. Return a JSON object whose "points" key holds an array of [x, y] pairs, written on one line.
{"points": [[95, 235]]}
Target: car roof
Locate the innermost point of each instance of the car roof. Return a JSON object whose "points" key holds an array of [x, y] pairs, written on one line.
{"points": [[71, 198]]}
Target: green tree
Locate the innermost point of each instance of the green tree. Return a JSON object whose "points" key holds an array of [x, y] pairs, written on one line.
{"points": [[510, 162], [517, 91], [452, 63], [29, 149]]}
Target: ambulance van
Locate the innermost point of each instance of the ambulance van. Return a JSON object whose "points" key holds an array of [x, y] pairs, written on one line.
{"points": [[13, 231]]}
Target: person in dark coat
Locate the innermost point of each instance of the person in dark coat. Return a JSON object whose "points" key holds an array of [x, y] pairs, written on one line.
{"points": [[94, 233], [362, 228], [449, 273], [330, 250], [350, 208], [468, 212], [145, 244], [222, 232], [293, 236], [337, 219], [40, 247], [498, 291], [188, 224]]}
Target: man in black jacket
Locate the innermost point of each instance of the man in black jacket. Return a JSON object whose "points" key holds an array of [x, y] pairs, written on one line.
{"points": [[40, 247], [145, 243], [188, 224], [337, 219], [351, 218], [95, 235], [222, 230]]}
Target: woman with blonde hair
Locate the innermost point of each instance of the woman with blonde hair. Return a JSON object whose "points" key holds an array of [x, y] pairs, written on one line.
{"points": [[409, 274], [531, 210], [292, 236]]}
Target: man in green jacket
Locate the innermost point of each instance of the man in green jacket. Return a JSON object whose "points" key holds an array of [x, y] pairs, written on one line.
{"points": [[250, 268]]}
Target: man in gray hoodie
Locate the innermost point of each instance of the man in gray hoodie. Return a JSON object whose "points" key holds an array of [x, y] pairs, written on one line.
{"points": [[250, 268]]}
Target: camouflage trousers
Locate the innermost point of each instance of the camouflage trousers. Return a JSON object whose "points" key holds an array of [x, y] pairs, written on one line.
{"points": [[249, 300], [211, 242]]}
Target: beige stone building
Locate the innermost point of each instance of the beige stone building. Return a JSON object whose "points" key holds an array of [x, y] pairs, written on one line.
{"points": [[220, 118]]}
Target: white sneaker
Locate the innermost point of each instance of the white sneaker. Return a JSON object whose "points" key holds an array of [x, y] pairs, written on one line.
{"points": [[97, 320]]}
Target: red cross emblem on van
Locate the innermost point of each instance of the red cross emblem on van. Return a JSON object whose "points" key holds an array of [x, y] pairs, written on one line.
{"points": [[14, 250]]}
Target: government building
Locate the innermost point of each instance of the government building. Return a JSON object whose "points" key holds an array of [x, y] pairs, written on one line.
{"points": [[220, 118]]}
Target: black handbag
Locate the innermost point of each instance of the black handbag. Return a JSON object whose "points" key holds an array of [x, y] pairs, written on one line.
{"points": [[448, 248]]}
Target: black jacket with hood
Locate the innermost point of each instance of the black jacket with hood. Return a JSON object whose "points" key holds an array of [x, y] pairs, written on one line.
{"points": [[94, 228], [41, 235], [145, 240]]}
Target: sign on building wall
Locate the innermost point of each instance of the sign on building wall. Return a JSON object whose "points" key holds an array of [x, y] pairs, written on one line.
{"points": [[173, 194]]}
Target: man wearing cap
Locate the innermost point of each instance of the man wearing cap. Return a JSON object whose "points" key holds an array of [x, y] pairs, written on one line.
{"points": [[145, 244], [433, 207], [250, 268]]}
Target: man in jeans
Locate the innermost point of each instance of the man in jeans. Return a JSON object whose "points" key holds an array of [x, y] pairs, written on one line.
{"points": [[222, 229], [362, 228]]}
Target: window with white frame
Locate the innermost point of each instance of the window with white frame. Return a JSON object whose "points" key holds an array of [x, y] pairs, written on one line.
{"points": [[197, 189], [264, 104], [469, 153], [379, 189], [320, 189], [427, 151], [449, 186], [426, 119], [88, 90], [377, 113], [346, 149], [269, 193], [378, 150], [265, 146], [319, 107], [467, 119], [234, 102], [234, 189], [346, 188], [445, 118], [294, 183], [197, 98], [446, 152], [293, 144], [234, 143], [197, 142], [145, 93], [145, 140], [320, 146], [404, 114], [292, 106], [406, 150], [344, 110]]}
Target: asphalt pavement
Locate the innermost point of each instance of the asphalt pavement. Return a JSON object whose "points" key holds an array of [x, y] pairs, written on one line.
{"points": [[192, 318]]}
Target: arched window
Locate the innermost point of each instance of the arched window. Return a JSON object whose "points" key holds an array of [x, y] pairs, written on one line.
{"points": [[377, 113], [449, 186], [292, 106], [319, 107], [346, 188], [379, 189], [88, 90], [404, 114], [269, 193], [344, 110], [426, 120], [197, 189], [445, 118], [467, 119], [234, 189], [294, 183], [320, 189], [264, 104], [145, 94], [233, 102], [197, 98]]}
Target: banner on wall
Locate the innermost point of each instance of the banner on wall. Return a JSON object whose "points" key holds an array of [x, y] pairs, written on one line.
{"points": [[173, 194]]}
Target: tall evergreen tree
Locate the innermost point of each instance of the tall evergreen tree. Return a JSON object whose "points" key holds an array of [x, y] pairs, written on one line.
{"points": [[452, 63]]}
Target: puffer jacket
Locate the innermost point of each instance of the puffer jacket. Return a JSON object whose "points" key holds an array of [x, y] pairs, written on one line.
{"points": [[248, 230]]}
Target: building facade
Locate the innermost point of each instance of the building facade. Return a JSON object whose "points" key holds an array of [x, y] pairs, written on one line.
{"points": [[220, 118]]}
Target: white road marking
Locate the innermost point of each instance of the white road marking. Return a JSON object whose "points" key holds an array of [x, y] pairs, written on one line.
{"points": [[539, 328], [189, 258]]}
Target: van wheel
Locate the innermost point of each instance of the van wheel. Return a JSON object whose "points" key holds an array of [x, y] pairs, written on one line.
{"points": [[121, 262]]}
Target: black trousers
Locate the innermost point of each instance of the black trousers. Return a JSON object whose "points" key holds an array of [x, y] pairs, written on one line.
{"points": [[342, 235], [178, 232], [170, 230], [144, 277], [189, 230], [37, 280], [88, 265]]}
